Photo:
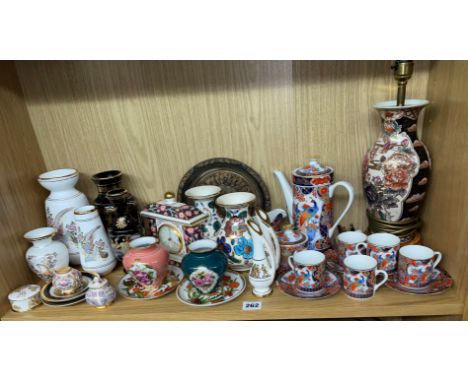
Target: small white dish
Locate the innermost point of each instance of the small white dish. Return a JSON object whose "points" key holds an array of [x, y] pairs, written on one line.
{"points": [[230, 287]]}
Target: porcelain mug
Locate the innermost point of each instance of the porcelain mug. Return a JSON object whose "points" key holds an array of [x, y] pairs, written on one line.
{"points": [[309, 268], [359, 276], [416, 265], [350, 243], [67, 280], [384, 248]]}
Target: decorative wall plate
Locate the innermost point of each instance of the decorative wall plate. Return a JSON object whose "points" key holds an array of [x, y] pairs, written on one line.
{"points": [[230, 287], [229, 174]]}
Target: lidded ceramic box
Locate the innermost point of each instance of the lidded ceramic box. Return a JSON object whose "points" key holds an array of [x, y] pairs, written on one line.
{"points": [[176, 224]]}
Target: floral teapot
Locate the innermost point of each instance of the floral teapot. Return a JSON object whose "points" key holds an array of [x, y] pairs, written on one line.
{"points": [[309, 202]]}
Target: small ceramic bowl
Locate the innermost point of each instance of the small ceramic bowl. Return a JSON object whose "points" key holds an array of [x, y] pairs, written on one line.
{"points": [[25, 298]]}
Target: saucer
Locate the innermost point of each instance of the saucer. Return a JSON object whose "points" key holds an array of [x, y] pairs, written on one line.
{"points": [[128, 288], [64, 297], [77, 300], [441, 282], [49, 298], [331, 256], [287, 285], [231, 286]]}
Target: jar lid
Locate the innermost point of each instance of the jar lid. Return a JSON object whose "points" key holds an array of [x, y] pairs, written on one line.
{"points": [[313, 168], [288, 236], [97, 282], [24, 292], [171, 210]]}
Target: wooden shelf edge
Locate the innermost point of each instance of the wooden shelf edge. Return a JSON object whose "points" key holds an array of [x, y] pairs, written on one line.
{"points": [[278, 306]]}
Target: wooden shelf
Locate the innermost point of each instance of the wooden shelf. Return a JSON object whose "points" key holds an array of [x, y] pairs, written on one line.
{"points": [[277, 306]]}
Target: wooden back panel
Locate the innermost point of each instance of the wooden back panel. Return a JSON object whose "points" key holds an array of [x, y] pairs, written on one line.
{"points": [[155, 120], [21, 197], [446, 134]]}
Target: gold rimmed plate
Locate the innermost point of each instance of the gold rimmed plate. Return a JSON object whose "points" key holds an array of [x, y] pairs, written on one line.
{"points": [[49, 295]]}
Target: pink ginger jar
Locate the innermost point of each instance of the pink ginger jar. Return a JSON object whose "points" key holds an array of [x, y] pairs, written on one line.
{"points": [[146, 262]]}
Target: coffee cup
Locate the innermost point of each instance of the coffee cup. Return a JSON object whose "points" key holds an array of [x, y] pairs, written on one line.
{"points": [[384, 247], [309, 269], [67, 280], [359, 276], [350, 243], [416, 265]]}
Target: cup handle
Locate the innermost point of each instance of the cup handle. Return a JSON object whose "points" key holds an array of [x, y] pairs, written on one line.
{"points": [[439, 258], [350, 190], [291, 265], [385, 278], [361, 245]]}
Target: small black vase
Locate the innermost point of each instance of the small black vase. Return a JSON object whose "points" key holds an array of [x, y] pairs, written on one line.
{"points": [[123, 220]]}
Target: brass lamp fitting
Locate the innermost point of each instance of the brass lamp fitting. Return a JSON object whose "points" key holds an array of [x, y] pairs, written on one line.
{"points": [[402, 71]]}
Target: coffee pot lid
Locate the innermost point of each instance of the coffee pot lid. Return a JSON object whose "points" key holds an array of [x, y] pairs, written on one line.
{"points": [[312, 168], [289, 236]]}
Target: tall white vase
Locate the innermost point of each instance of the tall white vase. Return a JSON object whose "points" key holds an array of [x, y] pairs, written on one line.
{"points": [[59, 206], [96, 253]]}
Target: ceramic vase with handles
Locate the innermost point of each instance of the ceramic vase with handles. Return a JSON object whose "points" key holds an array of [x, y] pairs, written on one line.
{"points": [[203, 198], [396, 169], [234, 238], [204, 266], [310, 204], [59, 206], [96, 253], [262, 272], [46, 255]]}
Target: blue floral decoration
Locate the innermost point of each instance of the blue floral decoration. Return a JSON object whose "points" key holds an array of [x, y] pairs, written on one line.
{"points": [[244, 248]]}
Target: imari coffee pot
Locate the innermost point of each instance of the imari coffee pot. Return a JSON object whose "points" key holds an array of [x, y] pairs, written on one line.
{"points": [[309, 202]]}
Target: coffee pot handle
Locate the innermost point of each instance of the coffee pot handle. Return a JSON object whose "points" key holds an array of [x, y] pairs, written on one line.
{"points": [[350, 190]]}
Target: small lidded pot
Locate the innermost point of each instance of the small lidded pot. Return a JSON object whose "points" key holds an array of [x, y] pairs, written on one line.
{"points": [[100, 292], [25, 298], [67, 280], [205, 265], [290, 241], [146, 261]]}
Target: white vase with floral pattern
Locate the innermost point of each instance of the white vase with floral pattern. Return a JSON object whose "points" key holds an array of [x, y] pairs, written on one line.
{"points": [[59, 206], [262, 272], [96, 252], [45, 255]]}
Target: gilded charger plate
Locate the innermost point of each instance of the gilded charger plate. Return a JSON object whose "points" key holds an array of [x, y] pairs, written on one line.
{"points": [[128, 288], [440, 283], [229, 174], [231, 286]]}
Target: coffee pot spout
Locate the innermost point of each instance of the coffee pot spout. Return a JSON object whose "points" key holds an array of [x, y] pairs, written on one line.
{"points": [[287, 193]]}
